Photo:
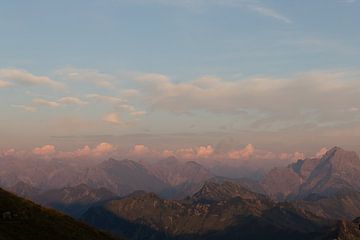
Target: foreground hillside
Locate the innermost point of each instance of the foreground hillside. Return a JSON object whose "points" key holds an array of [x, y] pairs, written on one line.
{"points": [[219, 210], [21, 219]]}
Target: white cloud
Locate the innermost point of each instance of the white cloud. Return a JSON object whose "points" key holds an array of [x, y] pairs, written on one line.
{"points": [[46, 103], [71, 101], [316, 97], [22, 77], [107, 99], [113, 118], [268, 12], [252, 5], [118, 103], [60, 102], [88, 75], [4, 84], [25, 108]]}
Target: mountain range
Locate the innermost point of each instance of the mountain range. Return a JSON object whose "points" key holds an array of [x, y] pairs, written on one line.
{"points": [[314, 198], [219, 210], [338, 170]]}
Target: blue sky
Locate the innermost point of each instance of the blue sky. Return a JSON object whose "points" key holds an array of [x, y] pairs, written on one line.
{"points": [[246, 70]]}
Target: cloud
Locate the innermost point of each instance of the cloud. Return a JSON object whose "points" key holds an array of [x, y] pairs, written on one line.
{"points": [[118, 103], [60, 102], [321, 152], [46, 103], [25, 108], [244, 153], [7, 152], [71, 101], [252, 5], [89, 75], [268, 12], [100, 150], [185, 153], [4, 84], [107, 99], [44, 150], [137, 113], [204, 152], [22, 77], [267, 101], [139, 150], [113, 118], [292, 156], [168, 153]]}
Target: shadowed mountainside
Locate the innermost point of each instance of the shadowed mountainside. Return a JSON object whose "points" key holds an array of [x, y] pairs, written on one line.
{"points": [[21, 219], [74, 200], [219, 210]]}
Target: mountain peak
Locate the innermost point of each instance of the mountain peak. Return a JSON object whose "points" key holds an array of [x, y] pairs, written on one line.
{"points": [[212, 191], [334, 150], [337, 154]]}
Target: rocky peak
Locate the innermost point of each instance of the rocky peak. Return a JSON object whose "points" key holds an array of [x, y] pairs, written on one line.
{"points": [[212, 191]]}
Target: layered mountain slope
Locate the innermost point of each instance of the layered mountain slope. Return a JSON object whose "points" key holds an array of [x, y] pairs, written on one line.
{"points": [[23, 189], [74, 200], [221, 191], [40, 174], [335, 171], [342, 205], [121, 177], [175, 172], [219, 210], [21, 219]]}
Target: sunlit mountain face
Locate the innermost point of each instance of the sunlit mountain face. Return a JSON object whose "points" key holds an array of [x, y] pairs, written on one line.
{"points": [[178, 119]]}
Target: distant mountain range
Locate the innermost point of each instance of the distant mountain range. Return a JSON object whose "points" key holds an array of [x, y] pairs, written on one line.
{"points": [[168, 177], [315, 198]]}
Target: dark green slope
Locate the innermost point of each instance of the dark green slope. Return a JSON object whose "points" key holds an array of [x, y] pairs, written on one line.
{"points": [[21, 219]]}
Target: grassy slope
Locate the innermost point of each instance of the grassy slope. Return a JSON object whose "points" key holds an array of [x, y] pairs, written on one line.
{"points": [[21, 219]]}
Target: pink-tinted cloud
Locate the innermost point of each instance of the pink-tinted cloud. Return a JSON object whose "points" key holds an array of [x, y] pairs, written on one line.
{"points": [[44, 150], [204, 152], [102, 149], [321, 152], [98, 151], [4, 84], [168, 153], [244, 153], [139, 150], [113, 118], [7, 152], [185, 153], [292, 156]]}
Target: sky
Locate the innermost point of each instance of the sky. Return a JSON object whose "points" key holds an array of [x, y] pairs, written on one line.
{"points": [[196, 79]]}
